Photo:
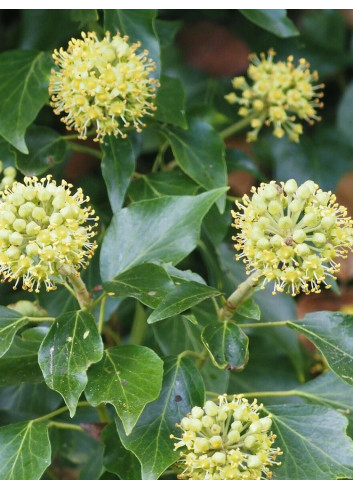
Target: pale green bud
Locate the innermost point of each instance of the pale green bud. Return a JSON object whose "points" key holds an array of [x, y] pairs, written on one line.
{"points": [[253, 461], [274, 207], [263, 244], [216, 441], [10, 172], [32, 228], [201, 445], [319, 239], [327, 222], [303, 249], [270, 192], [285, 222], [39, 213], [197, 412], [26, 209], [310, 220], [195, 424], [215, 428], [185, 422], [290, 186], [233, 436], [16, 239], [210, 408], [29, 193], [207, 421], [32, 249], [249, 441], [19, 225], [296, 205], [277, 241], [299, 236], [219, 458], [303, 191], [13, 253]]}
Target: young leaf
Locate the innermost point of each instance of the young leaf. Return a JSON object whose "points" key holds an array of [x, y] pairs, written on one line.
{"points": [[116, 458], [273, 20], [128, 377], [131, 239], [149, 283], [118, 165], [227, 344], [332, 334], [70, 347], [10, 322], [24, 451], [170, 102], [24, 77], [314, 443], [199, 151], [180, 299], [139, 25], [46, 149], [150, 439]]}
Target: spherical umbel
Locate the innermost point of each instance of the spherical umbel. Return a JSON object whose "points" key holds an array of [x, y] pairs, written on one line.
{"points": [[43, 226], [279, 94], [293, 234], [106, 83], [226, 441]]}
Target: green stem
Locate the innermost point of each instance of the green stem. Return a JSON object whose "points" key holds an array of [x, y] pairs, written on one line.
{"points": [[100, 298], [65, 426], [262, 325], [191, 353], [78, 285], [70, 289], [80, 148], [159, 158], [103, 413], [242, 292], [234, 128], [139, 325], [203, 356], [40, 320], [59, 411], [101, 315]]}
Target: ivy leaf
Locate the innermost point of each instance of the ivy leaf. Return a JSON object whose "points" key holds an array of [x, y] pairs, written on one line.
{"points": [[180, 276], [249, 309], [173, 235], [84, 16], [24, 78], [116, 458], [149, 283], [199, 151], [139, 25], [227, 344], [46, 149], [332, 334], [177, 334], [128, 377], [10, 322], [314, 443], [344, 114], [272, 20], [180, 299], [170, 102], [24, 451], [118, 166], [150, 440], [70, 347]]}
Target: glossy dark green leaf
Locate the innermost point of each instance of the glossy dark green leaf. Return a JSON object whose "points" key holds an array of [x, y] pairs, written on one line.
{"points": [[227, 344], [10, 322], [46, 149], [129, 377], [167, 30], [118, 165], [314, 443], [180, 299], [249, 309], [139, 25], [149, 283], [24, 451], [20, 362], [180, 276], [162, 183], [93, 468], [131, 239], [332, 334], [70, 347], [199, 151], [273, 20], [116, 458], [177, 334], [150, 439], [84, 15], [170, 102], [24, 78]]}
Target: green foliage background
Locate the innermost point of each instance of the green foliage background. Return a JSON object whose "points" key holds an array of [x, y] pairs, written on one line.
{"points": [[166, 261]]}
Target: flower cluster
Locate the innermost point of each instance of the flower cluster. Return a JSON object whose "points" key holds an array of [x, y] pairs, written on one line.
{"points": [[292, 235], [228, 441], [279, 94], [102, 82], [42, 227], [9, 176]]}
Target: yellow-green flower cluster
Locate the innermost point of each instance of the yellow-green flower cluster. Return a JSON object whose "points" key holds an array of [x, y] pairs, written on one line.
{"points": [[278, 94], [105, 83], [292, 235], [228, 441], [9, 176], [42, 227]]}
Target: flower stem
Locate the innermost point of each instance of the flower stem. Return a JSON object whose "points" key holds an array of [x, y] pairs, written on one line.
{"points": [[80, 148], [66, 426], [40, 319], [78, 285], [101, 315], [59, 411], [236, 127], [242, 292], [263, 325]]}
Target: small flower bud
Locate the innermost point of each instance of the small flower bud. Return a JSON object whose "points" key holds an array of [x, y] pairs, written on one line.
{"points": [[197, 412]]}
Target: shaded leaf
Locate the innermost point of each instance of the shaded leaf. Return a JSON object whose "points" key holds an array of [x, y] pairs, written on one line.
{"points": [[249, 309], [314, 443], [139, 25], [344, 114], [24, 451], [273, 20], [84, 15], [150, 439], [177, 334], [149, 283], [116, 458], [10, 322], [118, 165], [70, 347], [128, 377], [46, 149], [24, 78], [180, 299], [170, 102], [227, 344], [199, 151], [173, 235], [182, 275]]}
